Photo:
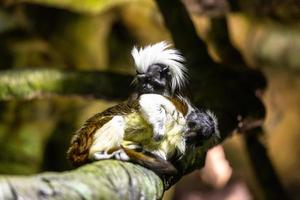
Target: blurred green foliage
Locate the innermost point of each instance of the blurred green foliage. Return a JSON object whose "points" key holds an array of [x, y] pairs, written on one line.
{"points": [[66, 35], [87, 6], [35, 134]]}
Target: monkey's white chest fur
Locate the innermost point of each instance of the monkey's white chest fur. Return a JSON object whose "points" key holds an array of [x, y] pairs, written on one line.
{"points": [[157, 127], [167, 122]]}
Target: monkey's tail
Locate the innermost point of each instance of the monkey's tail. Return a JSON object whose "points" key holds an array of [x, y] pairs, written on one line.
{"points": [[81, 142], [151, 161]]}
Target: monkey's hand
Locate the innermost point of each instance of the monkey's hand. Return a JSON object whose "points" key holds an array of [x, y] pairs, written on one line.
{"points": [[154, 109]]}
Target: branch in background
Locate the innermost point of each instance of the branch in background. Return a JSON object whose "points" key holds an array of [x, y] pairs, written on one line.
{"points": [[229, 93], [280, 11], [273, 46], [210, 8], [262, 165], [272, 36], [183, 32], [38, 83], [219, 38], [87, 6], [263, 168], [100, 180]]}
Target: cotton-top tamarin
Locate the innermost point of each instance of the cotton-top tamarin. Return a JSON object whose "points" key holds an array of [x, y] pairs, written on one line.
{"points": [[151, 128]]}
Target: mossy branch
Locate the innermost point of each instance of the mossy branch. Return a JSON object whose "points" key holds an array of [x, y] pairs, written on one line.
{"points": [[100, 180], [38, 83]]}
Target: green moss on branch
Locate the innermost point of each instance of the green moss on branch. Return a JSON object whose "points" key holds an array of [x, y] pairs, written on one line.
{"points": [[28, 84], [100, 180]]}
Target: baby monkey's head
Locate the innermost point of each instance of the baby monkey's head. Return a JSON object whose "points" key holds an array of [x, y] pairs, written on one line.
{"points": [[201, 126]]}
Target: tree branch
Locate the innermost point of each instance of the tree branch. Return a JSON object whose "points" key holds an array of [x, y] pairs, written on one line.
{"points": [[37, 83], [262, 166], [100, 180], [87, 6], [271, 45], [183, 32], [261, 163], [219, 38], [228, 97], [281, 11], [228, 92]]}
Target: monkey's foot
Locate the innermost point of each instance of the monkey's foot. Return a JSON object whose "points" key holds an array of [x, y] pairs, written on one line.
{"points": [[121, 155], [104, 155]]}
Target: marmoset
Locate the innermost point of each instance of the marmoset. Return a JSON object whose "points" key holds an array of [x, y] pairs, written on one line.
{"points": [[151, 128]]}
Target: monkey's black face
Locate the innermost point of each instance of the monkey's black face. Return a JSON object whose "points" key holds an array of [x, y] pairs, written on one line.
{"points": [[155, 80], [201, 126]]}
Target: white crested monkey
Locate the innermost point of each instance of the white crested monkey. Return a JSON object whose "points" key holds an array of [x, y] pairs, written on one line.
{"points": [[151, 128]]}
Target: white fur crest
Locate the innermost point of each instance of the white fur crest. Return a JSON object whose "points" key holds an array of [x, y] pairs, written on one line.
{"points": [[160, 53]]}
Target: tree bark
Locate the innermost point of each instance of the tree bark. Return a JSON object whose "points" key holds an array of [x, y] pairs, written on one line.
{"points": [[100, 180], [38, 83], [262, 166]]}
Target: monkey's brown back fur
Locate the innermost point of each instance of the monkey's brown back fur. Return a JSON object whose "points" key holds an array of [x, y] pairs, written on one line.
{"points": [[180, 105], [82, 140]]}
